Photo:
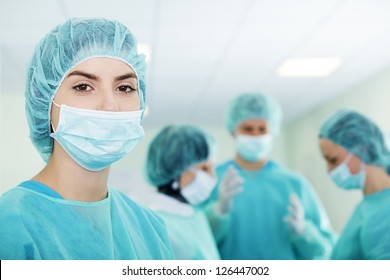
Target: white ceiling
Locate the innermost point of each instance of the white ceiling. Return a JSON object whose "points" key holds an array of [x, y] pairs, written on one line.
{"points": [[204, 52]]}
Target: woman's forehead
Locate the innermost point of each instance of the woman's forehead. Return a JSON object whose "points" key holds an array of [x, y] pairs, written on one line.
{"points": [[254, 122], [103, 63], [329, 147]]}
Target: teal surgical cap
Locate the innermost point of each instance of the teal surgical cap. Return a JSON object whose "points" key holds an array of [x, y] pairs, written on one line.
{"points": [[58, 52], [254, 106], [174, 150], [358, 135]]}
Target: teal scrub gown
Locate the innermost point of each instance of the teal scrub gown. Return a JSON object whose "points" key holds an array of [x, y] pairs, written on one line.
{"points": [[367, 234], [254, 227], [188, 229], [36, 223]]}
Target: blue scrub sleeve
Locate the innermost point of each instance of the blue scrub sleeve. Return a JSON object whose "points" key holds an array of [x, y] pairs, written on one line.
{"points": [[219, 223], [312, 244], [318, 239]]}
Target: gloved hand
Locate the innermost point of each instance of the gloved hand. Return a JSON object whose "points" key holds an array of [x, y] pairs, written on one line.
{"points": [[231, 185], [296, 217]]}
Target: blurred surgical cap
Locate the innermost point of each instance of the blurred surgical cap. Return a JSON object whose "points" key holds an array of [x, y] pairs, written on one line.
{"points": [[67, 45], [251, 106], [358, 135], [174, 150]]}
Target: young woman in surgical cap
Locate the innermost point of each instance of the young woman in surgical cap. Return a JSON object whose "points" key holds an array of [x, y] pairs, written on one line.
{"points": [[358, 159], [85, 96]]}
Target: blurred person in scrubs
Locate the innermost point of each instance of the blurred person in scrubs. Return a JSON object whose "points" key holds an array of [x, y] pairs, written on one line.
{"points": [[358, 159], [277, 215], [85, 96], [180, 164]]}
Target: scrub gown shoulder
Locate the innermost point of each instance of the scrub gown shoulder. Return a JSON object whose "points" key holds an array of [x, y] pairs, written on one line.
{"points": [[188, 229], [367, 233], [36, 223]]}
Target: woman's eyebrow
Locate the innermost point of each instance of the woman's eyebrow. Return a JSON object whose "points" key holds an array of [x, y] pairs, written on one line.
{"points": [[96, 78], [84, 74], [126, 76]]}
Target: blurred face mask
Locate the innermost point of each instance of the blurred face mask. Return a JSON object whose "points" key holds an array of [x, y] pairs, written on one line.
{"points": [[254, 148], [96, 139], [343, 178], [200, 188]]}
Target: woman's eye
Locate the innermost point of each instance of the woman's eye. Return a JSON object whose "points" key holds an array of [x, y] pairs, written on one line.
{"points": [[127, 89], [82, 87]]}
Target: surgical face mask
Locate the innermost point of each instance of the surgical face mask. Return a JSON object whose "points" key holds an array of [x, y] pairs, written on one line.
{"points": [[254, 148], [200, 188], [96, 139], [343, 178]]}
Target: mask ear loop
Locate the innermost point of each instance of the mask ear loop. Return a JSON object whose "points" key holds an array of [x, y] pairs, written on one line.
{"points": [[51, 123], [59, 106], [176, 184], [193, 170], [362, 165], [348, 158]]}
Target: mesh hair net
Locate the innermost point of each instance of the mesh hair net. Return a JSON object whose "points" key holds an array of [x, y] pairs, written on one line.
{"points": [[358, 135], [174, 150], [254, 106], [58, 52]]}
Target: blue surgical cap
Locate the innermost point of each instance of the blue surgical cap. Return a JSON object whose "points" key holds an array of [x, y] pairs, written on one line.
{"points": [[174, 150], [254, 106], [62, 49], [359, 136]]}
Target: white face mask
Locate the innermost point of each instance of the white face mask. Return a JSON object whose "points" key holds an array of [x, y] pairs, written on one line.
{"points": [[200, 188], [254, 148], [96, 139], [344, 179]]}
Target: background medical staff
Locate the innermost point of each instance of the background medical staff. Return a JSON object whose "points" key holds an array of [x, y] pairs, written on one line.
{"points": [[277, 215], [358, 159], [180, 165]]}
